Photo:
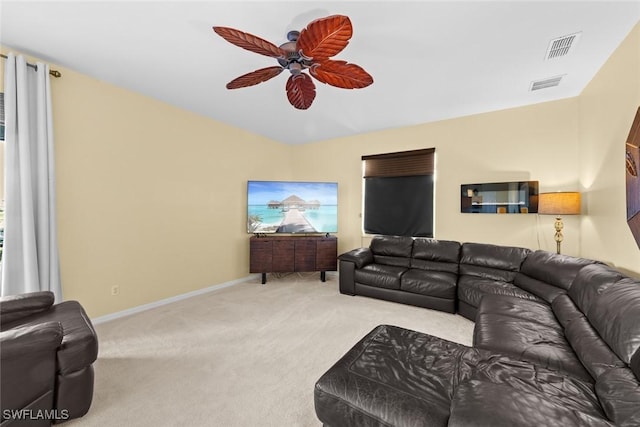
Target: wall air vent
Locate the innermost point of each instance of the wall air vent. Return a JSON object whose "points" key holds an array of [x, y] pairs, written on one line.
{"points": [[562, 46], [543, 84]]}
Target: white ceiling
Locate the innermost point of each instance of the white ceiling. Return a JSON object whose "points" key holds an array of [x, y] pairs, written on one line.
{"points": [[429, 60]]}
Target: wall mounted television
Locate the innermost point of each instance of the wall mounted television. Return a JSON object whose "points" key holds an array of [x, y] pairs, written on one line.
{"points": [[292, 207]]}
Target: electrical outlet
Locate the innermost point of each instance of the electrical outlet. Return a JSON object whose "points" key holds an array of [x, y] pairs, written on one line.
{"points": [[115, 290]]}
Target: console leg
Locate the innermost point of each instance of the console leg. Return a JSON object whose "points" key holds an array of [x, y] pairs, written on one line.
{"points": [[323, 277], [264, 278]]}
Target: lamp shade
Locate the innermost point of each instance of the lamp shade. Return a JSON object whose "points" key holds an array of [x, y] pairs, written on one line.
{"points": [[559, 203]]}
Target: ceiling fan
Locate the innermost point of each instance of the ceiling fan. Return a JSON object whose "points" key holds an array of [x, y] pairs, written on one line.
{"points": [[309, 49]]}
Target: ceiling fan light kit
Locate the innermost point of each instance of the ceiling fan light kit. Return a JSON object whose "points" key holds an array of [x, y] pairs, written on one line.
{"points": [[308, 50]]}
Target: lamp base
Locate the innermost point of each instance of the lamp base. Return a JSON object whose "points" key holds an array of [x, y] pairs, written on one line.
{"points": [[558, 225]]}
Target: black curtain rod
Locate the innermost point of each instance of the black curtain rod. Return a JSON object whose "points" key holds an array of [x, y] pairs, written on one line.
{"points": [[54, 73]]}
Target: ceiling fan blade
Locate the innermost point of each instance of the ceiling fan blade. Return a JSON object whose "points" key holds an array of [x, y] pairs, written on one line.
{"points": [[250, 42], [325, 37], [341, 74], [301, 91], [254, 77]]}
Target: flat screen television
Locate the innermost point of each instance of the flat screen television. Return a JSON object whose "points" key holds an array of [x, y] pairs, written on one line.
{"points": [[292, 207]]}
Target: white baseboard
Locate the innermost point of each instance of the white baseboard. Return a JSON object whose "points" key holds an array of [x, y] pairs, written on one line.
{"points": [[144, 307]]}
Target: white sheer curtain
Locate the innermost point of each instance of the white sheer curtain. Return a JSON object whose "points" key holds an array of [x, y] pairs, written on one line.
{"points": [[30, 255]]}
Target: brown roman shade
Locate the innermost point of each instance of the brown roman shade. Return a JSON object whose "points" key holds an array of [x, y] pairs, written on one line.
{"points": [[403, 163], [398, 193]]}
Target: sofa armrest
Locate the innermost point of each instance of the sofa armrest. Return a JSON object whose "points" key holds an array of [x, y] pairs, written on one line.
{"points": [[360, 257], [347, 278], [14, 307]]}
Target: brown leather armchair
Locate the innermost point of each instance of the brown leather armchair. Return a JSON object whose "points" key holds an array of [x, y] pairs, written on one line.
{"points": [[47, 351]]}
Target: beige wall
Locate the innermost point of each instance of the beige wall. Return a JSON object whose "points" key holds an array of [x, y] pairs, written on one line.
{"points": [[573, 144], [529, 143], [152, 198], [607, 108]]}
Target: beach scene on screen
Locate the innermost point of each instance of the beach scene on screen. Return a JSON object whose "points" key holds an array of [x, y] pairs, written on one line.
{"points": [[292, 207]]}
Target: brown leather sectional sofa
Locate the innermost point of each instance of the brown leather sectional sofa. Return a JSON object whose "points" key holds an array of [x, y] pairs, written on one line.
{"points": [[556, 343], [47, 352], [451, 276]]}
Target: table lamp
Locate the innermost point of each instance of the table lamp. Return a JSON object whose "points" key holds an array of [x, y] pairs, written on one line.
{"points": [[559, 203]]}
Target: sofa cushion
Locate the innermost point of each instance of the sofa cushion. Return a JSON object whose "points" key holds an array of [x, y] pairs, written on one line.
{"points": [[635, 364], [593, 352], [471, 289], [436, 255], [393, 377], [433, 283], [487, 404], [565, 310], [611, 303], [392, 250], [526, 330], [379, 275], [548, 274], [590, 282], [619, 393], [533, 379], [491, 261], [28, 371], [504, 391], [615, 314], [515, 307]]}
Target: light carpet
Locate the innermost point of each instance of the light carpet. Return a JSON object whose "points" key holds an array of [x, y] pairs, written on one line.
{"points": [[246, 355]]}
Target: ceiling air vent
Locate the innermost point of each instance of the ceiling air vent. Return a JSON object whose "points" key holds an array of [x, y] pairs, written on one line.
{"points": [[543, 84], [562, 46]]}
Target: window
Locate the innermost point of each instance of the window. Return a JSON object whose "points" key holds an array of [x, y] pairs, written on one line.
{"points": [[398, 193]]}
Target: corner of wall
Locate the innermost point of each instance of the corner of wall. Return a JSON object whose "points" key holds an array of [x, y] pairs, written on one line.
{"points": [[607, 107]]}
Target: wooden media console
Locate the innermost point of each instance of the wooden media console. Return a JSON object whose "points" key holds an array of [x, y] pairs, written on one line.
{"points": [[282, 254]]}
